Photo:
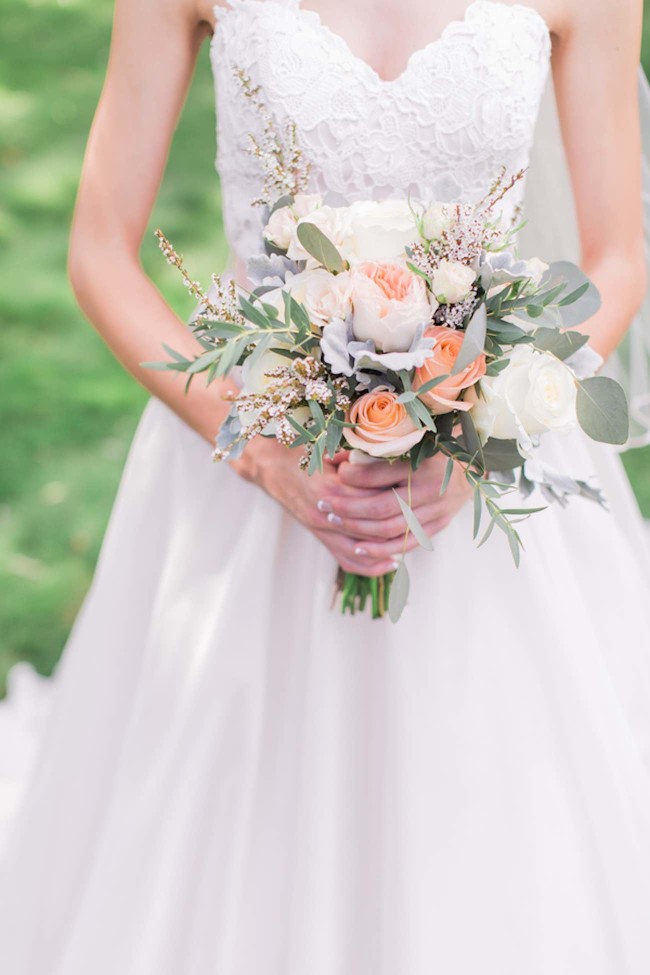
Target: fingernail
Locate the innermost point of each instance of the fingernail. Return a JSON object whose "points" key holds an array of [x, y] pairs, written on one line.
{"points": [[394, 566], [334, 519], [324, 506], [360, 551]]}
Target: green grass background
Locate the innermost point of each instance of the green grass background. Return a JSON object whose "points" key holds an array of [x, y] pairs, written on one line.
{"points": [[67, 409]]}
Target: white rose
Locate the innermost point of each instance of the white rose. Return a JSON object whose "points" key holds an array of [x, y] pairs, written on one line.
{"points": [[380, 230], [325, 296], [282, 222], [534, 394], [452, 281], [436, 219], [334, 222], [388, 302]]}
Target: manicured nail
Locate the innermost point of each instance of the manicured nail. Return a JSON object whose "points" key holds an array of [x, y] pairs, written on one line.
{"points": [[361, 551], [334, 519], [324, 506]]}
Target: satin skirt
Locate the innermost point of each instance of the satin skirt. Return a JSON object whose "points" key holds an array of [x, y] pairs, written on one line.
{"points": [[236, 780]]}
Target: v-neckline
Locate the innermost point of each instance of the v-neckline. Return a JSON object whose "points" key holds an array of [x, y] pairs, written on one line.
{"points": [[457, 23]]}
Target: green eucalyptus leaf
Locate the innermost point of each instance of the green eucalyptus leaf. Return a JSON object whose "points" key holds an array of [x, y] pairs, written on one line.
{"points": [[427, 447], [317, 413], [515, 545], [165, 366], [253, 314], [333, 437], [431, 384], [283, 201], [478, 511], [204, 361], [413, 524], [506, 332], [583, 299], [420, 414], [222, 330], [174, 354], [317, 455], [449, 470], [602, 410], [298, 427], [472, 439], [561, 344], [260, 348], [497, 367], [488, 532], [399, 592], [501, 455], [474, 341], [319, 246], [578, 293]]}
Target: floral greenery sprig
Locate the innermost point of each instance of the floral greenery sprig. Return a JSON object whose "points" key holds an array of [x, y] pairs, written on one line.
{"points": [[285, 168]]}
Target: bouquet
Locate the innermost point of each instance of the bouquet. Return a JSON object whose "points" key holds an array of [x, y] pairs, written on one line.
{"points": [[400, 329]]}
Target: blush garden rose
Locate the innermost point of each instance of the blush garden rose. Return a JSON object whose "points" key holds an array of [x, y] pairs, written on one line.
{"points": [[389, 303]]}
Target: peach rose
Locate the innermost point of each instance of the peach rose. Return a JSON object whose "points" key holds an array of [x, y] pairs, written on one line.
{"points": [[444, 398], [389, 302], [383, 427]]}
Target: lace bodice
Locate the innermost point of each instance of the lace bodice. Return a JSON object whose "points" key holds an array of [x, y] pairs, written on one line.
{"points": [[463, 108]]}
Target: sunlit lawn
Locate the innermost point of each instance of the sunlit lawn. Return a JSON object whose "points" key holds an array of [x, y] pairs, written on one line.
{"points": [[67, 409]]}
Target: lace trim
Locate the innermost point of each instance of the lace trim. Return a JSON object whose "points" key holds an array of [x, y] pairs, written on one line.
{"points": [[470, 12]]}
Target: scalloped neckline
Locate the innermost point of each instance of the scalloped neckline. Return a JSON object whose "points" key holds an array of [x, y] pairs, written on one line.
{"points": [[452, 25]]}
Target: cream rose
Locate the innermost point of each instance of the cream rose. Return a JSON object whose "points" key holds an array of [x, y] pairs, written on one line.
{"points": [[444, 397], [389, 303], [281, 226], [383, 428], [436, 219], [452, 281], [535, 393], [380, 230], [334, 222], [325, 296]]}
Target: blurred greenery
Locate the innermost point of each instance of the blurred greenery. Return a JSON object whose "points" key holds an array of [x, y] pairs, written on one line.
{"points": [[68, 410]]}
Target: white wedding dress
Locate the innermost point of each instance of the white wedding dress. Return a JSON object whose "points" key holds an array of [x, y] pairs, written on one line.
{"points": [[236, 780]]}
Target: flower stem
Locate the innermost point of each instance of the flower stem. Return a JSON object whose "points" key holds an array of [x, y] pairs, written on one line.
{"points": [[355, 590]]}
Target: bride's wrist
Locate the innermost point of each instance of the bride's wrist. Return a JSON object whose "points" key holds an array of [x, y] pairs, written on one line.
{"points": [[253, 464]]}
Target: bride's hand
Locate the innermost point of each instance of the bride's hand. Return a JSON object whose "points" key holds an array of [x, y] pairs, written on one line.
{"points": [[376, 521], [312, 500]]}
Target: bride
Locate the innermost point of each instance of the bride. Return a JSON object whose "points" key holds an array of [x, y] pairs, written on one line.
{"points": [[236, 780]]}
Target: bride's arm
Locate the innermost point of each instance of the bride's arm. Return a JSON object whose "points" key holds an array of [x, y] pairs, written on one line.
{"points": [[153, 51], [595, 61]]}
